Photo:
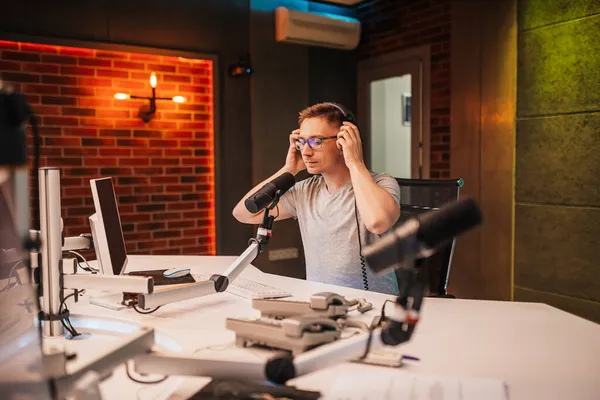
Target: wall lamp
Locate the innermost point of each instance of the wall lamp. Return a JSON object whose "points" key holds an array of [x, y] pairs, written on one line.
{"points": [[147, 111]]}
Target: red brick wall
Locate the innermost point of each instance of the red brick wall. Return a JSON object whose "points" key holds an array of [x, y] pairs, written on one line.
{"points": [[163, 171], [392, 25]]}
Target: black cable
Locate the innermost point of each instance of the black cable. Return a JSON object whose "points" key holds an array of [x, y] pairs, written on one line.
{"points": [[84, 268], [62, 303], [69, 328], [349, 117], [363, 265], [372, 328], [383, 310], [143, 382], [64, 321], [368, 346], [89, 268], [144, 312]]}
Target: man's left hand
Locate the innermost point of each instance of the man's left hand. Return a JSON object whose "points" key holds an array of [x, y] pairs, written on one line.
{"points": [[350, 143]]}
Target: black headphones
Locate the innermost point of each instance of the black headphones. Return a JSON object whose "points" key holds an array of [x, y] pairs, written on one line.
{"points": [[348, 116]]}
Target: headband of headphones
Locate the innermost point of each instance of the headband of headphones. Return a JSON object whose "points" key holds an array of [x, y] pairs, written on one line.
{"points": [[347, 115]]}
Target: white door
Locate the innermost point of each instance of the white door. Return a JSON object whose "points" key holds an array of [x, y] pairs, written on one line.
{"points": [[390, 122], [394, 115]]}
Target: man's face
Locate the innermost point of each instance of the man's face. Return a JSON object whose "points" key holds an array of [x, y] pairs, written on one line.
{"points": [[323, 159]]}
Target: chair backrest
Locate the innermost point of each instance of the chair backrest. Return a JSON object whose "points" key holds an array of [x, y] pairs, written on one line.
{"points": [[422, 195]]}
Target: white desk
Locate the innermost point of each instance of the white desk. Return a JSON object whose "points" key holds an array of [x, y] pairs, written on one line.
{"points": [[539, 351]]}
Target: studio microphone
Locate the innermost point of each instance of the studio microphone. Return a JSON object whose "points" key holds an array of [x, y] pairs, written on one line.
{"points": [[266, 194], [421, 236]]}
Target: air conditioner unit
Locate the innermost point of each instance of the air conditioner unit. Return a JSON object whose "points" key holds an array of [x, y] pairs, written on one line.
{"points": [[312, 29]]}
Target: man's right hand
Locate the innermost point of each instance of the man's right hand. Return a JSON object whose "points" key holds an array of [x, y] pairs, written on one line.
{"points": [[293, 162]]}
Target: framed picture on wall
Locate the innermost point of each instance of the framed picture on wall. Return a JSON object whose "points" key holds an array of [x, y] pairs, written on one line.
{"points": [[406, 109]]}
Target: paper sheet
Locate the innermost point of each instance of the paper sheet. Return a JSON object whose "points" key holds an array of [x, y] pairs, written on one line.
{"points": [[400, 385]]}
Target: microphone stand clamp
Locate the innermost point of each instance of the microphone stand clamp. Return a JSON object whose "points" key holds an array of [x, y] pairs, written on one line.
{"points": [[263, 233]]}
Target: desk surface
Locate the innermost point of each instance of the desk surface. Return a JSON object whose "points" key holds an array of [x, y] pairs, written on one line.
{"points": [[539, 351]]}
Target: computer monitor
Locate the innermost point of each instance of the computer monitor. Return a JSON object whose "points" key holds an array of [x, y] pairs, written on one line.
{"points": [[106, 228]]}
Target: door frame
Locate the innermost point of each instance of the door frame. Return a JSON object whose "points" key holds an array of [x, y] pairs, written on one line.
{"points": [[388, 66]]}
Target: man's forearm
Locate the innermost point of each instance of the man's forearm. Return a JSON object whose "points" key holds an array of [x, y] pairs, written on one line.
{"points": [[242, 214], [377, 207]]}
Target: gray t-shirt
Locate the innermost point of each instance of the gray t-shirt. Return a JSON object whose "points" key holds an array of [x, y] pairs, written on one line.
{"points": [[329, 233]]}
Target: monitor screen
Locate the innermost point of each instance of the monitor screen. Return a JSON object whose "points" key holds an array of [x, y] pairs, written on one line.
{"points": [[109, 214]]}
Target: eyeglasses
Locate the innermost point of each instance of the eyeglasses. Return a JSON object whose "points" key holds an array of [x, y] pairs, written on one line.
{"points": [[315, 143]]}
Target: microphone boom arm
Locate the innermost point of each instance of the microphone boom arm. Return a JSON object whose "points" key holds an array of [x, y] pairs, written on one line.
{"points": [[219, 282]]}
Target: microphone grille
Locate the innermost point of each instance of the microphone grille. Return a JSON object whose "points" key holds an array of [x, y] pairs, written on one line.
{"points": [[449, 221], [284, 182]]}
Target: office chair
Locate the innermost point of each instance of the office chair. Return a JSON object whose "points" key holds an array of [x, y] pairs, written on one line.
{"points": [[422, 195]]}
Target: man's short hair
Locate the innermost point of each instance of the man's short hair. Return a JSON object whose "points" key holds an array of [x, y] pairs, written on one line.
{"points": [[328, 111]]}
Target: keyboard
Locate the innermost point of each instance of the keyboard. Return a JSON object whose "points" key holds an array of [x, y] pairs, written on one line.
{"points": [[251, 289], [254, 290]]}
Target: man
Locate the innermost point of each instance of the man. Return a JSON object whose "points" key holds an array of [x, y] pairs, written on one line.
{"points": [[340, 205]]}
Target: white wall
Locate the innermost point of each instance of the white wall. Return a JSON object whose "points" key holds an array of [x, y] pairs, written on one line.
{"points": [[390, 140]]}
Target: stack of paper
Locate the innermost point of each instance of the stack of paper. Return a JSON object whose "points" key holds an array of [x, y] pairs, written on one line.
{"points": [[400, 385]]}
